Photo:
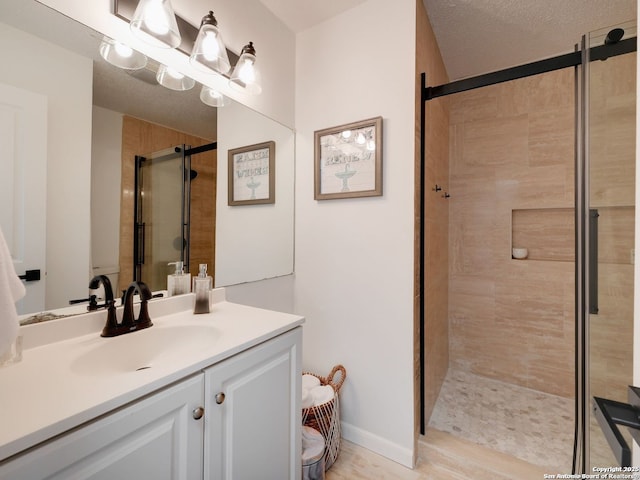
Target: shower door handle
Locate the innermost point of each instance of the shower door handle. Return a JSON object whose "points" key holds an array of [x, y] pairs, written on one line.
{"points": [[140, 237], [593, 261]]}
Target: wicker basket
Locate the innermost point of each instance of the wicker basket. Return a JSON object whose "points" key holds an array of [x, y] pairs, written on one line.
{"points": [[325, 417]]}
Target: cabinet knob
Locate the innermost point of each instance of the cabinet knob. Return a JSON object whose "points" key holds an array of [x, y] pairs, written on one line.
{"points": [[219, 398], [198, 413]]}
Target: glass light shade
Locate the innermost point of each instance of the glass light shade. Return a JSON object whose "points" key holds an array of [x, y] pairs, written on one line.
{"points": [[121, 55], [154, 22], [209, 52], [174, 80], [246, 77], [212, 98]]}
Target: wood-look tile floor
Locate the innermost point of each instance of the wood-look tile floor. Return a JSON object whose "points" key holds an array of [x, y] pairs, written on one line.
{"points": [[442, 456]]}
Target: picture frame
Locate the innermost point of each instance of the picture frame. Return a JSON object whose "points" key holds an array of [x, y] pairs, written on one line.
{"points": [[252, 174], [348, 160]]}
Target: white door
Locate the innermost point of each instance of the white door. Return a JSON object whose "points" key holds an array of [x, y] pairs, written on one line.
{"points": [[23, 186]]}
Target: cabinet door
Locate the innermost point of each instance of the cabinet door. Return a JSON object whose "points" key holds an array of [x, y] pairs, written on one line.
{"points": [[156, 438], [252, 427]]}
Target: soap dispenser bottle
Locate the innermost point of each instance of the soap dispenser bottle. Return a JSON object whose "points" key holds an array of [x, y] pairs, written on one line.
{"points": [[202, 285], [178, 283]]}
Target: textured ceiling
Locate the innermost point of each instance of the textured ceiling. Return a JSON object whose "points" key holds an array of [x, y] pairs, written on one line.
{"points": [[480, 36]]}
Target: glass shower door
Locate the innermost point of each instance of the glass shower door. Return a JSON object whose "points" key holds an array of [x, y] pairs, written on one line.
{"points": [[611, 132], [161, 215]]}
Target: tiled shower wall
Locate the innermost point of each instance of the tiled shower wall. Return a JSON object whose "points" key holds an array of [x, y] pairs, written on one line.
{"points": [[612, 156], [436, 344], [511, 179]]}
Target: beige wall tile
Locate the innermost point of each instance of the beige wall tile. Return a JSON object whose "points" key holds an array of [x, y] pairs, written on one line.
{"points": [[513, 320], [436, 241]]}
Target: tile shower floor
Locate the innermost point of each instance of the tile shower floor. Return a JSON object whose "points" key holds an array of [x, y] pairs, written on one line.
{"points": [[534, 426]]}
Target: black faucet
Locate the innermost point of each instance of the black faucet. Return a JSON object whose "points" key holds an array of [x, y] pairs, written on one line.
{"points": [[94, 283], [108, 292], [109, 302], [129, 322]]}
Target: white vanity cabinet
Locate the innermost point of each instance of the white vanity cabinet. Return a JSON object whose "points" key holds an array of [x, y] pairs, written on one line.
{"points": [[252, 421], [236, 419], [156, 438]]}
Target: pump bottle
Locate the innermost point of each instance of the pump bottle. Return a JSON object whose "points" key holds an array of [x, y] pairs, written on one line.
{"points": [[178, 283], [202, 285]]}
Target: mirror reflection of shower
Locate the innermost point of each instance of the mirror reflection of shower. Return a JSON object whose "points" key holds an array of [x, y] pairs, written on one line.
{"points": [[163, 207]]}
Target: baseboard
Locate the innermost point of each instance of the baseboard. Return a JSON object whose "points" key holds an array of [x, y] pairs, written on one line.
{"points": [[379, 445]]}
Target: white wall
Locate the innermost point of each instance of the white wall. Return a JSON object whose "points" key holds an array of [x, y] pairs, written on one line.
{"points": [[69, 153], [272, 294], [254, 242], [106, 161], [239, 22], [354, 257]]}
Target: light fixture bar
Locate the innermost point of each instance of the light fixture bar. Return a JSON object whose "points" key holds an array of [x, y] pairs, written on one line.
{"points": [[124, 9]]}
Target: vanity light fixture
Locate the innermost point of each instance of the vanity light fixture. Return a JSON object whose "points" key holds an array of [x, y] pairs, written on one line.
{"points": [[121, 55], [245, 76], [209, 52], [173, 79], [211, 97], [154, 22]]}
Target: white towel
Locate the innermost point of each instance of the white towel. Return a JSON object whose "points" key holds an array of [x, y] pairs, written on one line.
{"points": [[309, 381], [11, 290], [312, 445], [322, 394], [307, 398]]}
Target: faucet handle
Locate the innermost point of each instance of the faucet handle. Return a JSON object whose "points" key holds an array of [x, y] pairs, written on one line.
{"points": [[111, 327], [143, 318]]}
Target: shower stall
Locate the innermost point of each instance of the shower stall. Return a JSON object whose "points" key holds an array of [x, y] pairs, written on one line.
{"points": [[542, 158], [162, 205], [607, 224], [174, 212]]}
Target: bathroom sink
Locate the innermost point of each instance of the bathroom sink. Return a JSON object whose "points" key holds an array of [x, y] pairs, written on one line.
{"points": [[158, 345]]}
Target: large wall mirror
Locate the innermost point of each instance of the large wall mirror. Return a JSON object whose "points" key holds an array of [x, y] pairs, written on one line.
{"points": [[73, 125]]}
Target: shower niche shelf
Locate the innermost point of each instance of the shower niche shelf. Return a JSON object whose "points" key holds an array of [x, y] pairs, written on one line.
{"points": [[547, 233]]}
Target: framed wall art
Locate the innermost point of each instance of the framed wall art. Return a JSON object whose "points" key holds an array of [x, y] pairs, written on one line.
{"points": [[252, 174], [348, 160]]}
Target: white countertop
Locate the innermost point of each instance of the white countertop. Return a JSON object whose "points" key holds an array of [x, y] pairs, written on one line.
{"points": [[50, 391]]}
